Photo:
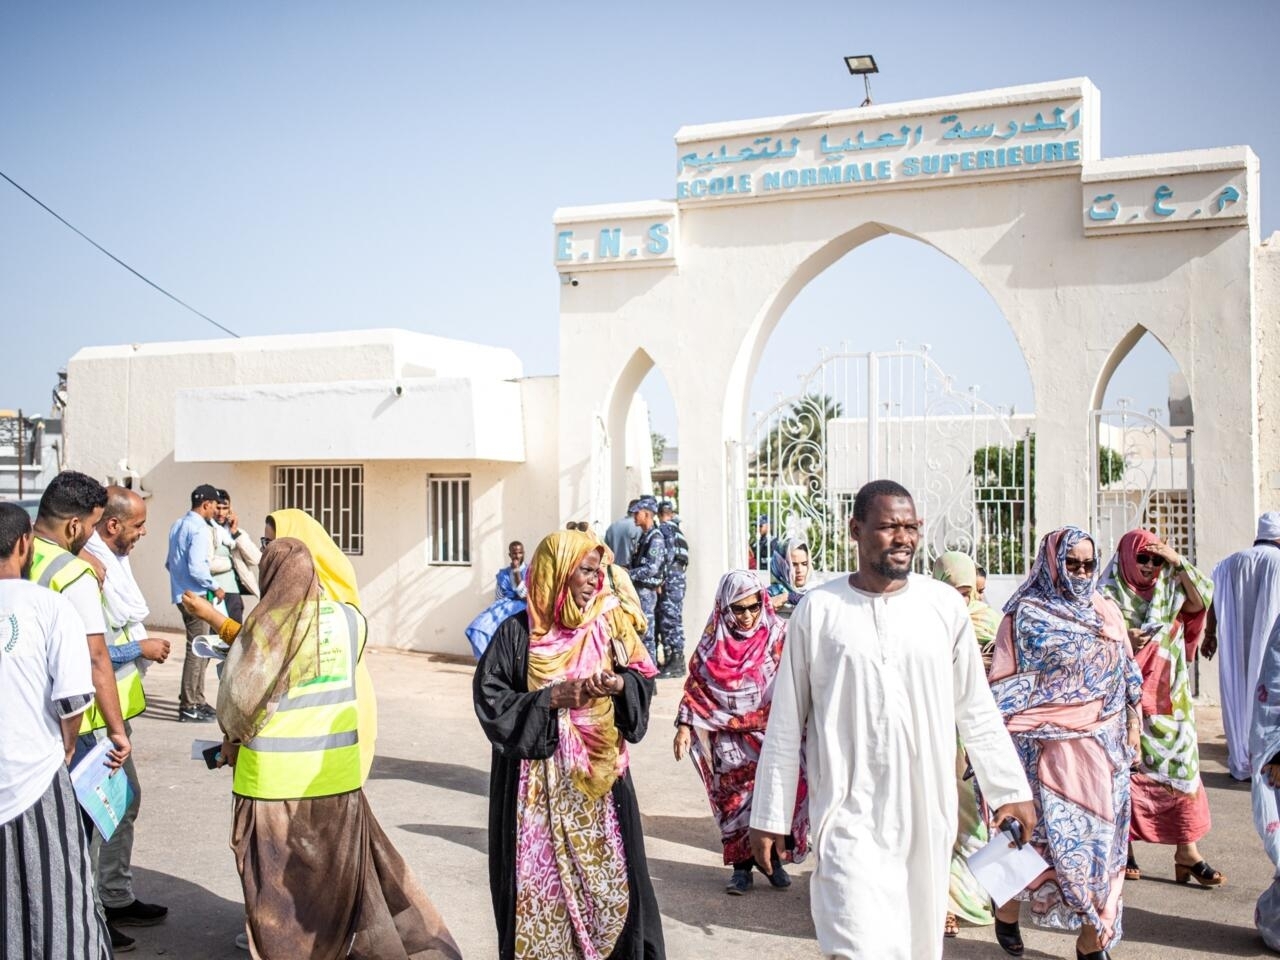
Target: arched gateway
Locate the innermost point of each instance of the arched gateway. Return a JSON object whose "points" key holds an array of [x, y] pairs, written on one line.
{"points": [[1078, 252]]}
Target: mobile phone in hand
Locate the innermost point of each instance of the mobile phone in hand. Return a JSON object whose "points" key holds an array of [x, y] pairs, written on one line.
{"points": [[1014, 828], [212, 755]]}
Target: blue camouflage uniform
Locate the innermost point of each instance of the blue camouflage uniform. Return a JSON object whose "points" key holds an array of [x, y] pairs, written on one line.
{"points": [[674, 580], [647, 562]]}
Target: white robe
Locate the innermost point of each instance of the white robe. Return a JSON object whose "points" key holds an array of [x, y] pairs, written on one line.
{"points": [[1246, 602], [883, 682]]}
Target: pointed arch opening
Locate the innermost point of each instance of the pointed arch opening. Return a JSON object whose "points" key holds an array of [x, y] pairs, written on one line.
{"points": [[889, 359], [640, 436], [1142, 426], [1142, 374]]}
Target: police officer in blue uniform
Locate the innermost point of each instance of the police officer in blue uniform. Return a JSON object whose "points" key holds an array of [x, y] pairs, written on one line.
{"points": [[648, 560], [671, 600]]}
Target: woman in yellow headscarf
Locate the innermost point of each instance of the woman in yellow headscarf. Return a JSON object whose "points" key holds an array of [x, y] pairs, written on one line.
{"points": [[320, 877], [337, 582], [560, 692]]}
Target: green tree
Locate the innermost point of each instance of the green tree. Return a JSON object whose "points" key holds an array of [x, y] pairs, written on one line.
{"points": [[658, 444], [1005, 498]]}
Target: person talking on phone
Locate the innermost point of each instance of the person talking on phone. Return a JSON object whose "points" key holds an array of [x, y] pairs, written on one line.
{"points": [[879, 671], [1064, 677], [1165, 601], [561, 691]]}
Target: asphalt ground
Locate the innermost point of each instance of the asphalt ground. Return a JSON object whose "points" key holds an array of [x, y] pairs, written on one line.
{"points": [[429, 790]]}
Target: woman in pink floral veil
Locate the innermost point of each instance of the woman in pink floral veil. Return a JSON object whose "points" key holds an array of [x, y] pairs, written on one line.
{"points": [[560, 692]]}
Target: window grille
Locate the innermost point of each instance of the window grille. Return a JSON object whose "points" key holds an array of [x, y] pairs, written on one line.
{"points": [[334, 495], [449, 519]]}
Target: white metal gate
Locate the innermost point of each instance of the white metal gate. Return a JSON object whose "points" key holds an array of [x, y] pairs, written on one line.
{"points": [[898, 416], [1143, 476]]}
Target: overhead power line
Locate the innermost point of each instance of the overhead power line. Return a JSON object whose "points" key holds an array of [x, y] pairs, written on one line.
{"points": [[84, 236]]}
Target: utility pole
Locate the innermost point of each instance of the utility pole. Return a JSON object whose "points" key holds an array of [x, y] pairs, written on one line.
{"points": [[21, 438]]}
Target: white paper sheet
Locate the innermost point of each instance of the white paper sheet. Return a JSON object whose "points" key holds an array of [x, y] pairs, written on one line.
{"points": [[1003, 869], [210, 647]]}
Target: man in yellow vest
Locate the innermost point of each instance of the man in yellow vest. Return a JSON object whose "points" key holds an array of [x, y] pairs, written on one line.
{"points": [[123, 524], [69, 508]]}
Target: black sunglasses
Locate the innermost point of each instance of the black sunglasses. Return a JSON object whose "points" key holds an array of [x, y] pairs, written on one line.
{"points": [[1086, 566], [1150, 560], [742, 609]]}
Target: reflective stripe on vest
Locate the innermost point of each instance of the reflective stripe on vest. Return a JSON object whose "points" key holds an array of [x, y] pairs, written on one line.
{"points": [[57, 569], [55, 566], [311, 745], [133, 700]]}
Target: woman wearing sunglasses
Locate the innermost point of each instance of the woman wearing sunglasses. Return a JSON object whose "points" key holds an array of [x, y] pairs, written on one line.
{"points": [[1165, 600], [723, 715], [1065, 680]]}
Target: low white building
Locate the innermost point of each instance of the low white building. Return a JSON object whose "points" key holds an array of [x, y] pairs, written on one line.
{"points": [[423, 456]]}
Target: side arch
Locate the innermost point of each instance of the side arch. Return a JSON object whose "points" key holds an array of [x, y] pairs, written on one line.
{"points": [[617, 407]]}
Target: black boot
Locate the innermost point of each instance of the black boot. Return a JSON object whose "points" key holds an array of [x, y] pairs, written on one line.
{"points": [[674, 666]]}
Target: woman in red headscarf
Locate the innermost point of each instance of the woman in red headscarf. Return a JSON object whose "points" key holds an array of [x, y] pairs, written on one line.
{"points": [[1164, 600], [723, 714]]}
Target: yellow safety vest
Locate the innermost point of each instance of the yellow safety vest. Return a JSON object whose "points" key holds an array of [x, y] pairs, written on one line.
{"points": [[311, 745], [57, 569]]}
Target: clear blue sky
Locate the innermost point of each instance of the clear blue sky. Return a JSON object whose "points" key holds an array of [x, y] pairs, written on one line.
{"points": [[293, 167]]}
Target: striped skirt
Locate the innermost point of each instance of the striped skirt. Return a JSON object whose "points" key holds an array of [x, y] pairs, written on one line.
{"points": [[47, 910]]}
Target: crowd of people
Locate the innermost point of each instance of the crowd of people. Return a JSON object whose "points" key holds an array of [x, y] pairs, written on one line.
{"points": [[887, 722], [295, 705], [900, 713]]}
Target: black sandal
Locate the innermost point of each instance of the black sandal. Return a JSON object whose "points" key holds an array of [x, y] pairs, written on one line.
{"points": [[1009, 936], [1131, 871], [1205, 875], [1092, 955]]}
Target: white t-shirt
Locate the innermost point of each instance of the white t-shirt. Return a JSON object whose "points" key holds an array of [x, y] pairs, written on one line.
{"points": [[86, 596], [44, 674]]}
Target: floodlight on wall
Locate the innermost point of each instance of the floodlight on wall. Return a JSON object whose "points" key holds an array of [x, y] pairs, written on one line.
{"points": [[863, 65]]}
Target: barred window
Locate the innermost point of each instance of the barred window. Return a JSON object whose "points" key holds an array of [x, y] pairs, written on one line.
{"points": [[333, 495], [449, 518]]}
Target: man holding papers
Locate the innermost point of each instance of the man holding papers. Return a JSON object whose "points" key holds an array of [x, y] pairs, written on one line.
{"points": [[123, 524], [45, 685], [882, 668]]}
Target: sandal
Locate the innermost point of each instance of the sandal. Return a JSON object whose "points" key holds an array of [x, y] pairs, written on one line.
{"points": [[1009, 937], [951, 928], [1131, 871], [1205, 875]]}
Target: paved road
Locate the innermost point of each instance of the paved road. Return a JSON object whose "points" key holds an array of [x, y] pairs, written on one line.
{"points": [[429, 789]]}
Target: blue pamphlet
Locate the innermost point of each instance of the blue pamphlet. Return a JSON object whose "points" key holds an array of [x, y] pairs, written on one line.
{"points": [[104, 793]]}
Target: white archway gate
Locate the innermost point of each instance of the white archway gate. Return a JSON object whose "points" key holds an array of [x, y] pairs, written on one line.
{"points": [[1075, 250], [894, 415]]}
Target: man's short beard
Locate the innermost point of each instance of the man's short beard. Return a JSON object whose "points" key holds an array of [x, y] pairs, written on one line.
{"points": [[882, 567]]}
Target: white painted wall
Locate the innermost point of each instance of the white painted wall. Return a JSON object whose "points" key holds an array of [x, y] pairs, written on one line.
{"points": [[413, 418], [1267, 266]]}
